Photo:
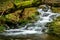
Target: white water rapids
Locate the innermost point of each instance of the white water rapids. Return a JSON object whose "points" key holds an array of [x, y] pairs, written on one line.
{"points": [[34, 28]]}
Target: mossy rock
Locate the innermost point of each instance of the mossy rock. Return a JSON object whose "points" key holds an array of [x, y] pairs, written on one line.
{"points": [[2, 19], [5, 5], [12, 5], [28, 15], [55, 26], [2, 28], [56, 9], [26, 3], [13, 17]]}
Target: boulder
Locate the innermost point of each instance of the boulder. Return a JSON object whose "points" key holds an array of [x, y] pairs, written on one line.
{"points": [[54, 27]]}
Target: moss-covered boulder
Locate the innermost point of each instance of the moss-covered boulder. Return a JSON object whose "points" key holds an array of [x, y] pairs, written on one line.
{"points": [[54, 27], [56, 9], [26, 3], [13, 17], [8, 6], [29, 12], [18, 12], [5, 5], [18, 3], [28, 15]]}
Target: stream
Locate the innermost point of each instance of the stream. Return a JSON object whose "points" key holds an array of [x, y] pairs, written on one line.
{"points": [[36, 30]]}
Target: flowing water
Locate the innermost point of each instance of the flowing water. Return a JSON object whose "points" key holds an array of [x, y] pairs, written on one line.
{"points": [[37, 29]]}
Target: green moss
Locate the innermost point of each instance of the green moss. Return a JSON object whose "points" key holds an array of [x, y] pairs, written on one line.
{"points": [[23, 22], [2, 19], [12, 17], [2, 28], [5, 5], [55, 25], [29, 15], [56, 9], [24, 3]]}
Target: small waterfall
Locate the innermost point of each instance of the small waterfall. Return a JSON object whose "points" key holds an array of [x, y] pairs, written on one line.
{"points": [[34, 28]]}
